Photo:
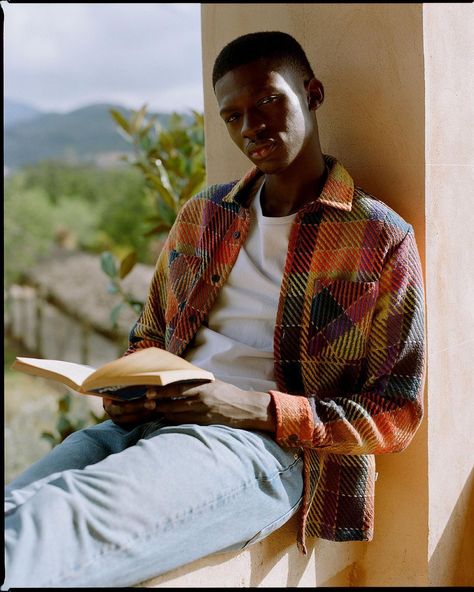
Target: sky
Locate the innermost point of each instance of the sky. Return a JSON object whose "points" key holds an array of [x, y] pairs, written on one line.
{"points": [[59, 57]]}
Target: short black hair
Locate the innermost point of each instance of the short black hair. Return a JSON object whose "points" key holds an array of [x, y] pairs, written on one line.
{"points": [[274, 45]]}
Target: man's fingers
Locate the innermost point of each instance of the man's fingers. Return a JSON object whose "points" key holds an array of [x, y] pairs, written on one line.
{"points": [[125, 409], [151, 393], [178, 406], [164, 392]]}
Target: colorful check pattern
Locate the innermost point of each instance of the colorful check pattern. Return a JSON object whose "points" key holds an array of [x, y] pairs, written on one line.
{"points": [[349, 335]]}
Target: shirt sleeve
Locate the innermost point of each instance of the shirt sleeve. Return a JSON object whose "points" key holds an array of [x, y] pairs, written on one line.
{"points": [[385, 413], [150, 327]]}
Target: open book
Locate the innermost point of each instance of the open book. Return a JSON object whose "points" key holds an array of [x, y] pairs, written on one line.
{"points": [[126, 378]]}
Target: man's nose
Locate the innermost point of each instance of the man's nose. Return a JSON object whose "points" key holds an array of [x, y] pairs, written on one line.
{"points": [[252, 125]]}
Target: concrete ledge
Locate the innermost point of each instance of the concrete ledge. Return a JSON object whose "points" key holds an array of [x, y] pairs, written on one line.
{"points": [[273, 562]]}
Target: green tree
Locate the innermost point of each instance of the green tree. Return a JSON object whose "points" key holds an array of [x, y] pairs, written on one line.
{"points": [[172, 162], [171, 159], [79, 206]]}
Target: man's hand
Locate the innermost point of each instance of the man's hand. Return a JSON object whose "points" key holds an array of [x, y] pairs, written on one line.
{"points": [[125, 413], [213, 403]]}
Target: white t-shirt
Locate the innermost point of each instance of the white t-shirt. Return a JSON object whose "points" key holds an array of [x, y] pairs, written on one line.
{"points": [[237, 346]]}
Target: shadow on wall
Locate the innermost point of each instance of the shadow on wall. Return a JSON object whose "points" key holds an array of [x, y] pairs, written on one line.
{"points": [[266, 556], [272, 562], [452, 561]]}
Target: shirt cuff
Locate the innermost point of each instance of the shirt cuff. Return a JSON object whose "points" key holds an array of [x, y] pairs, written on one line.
{"points": [[294, 419]]}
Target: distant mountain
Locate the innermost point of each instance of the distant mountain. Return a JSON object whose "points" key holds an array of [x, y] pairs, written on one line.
{"points": [[14, 112], [88, 134]]}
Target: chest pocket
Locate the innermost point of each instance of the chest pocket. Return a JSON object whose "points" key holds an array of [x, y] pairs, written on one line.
{"points": [[340, 318]]}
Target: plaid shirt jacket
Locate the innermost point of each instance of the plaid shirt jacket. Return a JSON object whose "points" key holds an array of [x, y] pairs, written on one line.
{"points": [[348, 340]]}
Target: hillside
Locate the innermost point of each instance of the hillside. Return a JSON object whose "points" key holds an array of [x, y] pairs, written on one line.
{"points": [[88, 134], [15, 111]]}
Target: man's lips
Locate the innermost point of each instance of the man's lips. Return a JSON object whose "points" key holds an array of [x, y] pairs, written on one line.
{"points": [[261, 150]]}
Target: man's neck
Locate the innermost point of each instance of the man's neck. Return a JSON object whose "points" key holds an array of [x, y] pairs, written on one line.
{"points": [[286, 193]]}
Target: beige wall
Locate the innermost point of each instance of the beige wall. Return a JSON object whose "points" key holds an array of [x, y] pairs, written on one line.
{"points": [[404, 129], [449, 58], [370, 59]]}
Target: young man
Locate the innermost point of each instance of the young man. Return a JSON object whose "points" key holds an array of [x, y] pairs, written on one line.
{"points": [[304, 296]]}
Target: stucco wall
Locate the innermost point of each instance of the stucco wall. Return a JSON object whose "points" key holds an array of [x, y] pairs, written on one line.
{"points": [[399, 114], [449, 59], [370, 59]]}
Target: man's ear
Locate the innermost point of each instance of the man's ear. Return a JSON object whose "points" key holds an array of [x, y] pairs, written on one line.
{"points": [[314, 93]]}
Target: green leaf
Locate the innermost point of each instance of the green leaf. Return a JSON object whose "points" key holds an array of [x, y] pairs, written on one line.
{"points": [[98, 419], [64, 403], [167, 214], [127, 264], [142, 167], [176, 121], [158, 229], [63, 424], [112, 288], [162, 190], [198, 118], [165, 180], [52, 439], [108, 264], [154, 218], [151, 124], [120, 119], [166, 141], [144, 141], [195, 183], [137, 307], [137, 120]]}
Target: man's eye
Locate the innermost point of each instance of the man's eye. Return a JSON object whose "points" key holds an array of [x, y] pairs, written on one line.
{"points": [[232, 118], [269, 99]]}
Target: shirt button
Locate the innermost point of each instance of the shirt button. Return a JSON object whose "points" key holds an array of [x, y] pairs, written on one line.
{"points": [[215, 278], [236, 234], [192, 318]]}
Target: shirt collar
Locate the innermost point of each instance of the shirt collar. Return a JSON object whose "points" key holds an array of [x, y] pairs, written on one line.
{"points": [[337, 191]]}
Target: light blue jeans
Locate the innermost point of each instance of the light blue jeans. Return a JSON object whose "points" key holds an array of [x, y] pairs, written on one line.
{"points": [[112, 507]]}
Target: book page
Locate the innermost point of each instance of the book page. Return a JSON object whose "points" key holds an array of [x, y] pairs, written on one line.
{"points": [[169, 376], [76, 373], [147, 362]]}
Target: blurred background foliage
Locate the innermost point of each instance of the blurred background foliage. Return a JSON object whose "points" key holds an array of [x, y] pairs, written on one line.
{"points": [[171, 161], [77, 207], [170, 158], [121, 213]]}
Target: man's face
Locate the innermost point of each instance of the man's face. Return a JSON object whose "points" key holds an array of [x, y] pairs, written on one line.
{"points": [[265, 109]]}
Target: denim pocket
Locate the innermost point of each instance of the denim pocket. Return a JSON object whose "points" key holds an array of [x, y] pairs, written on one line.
{"points": [[275, 525], [281, 520]]}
